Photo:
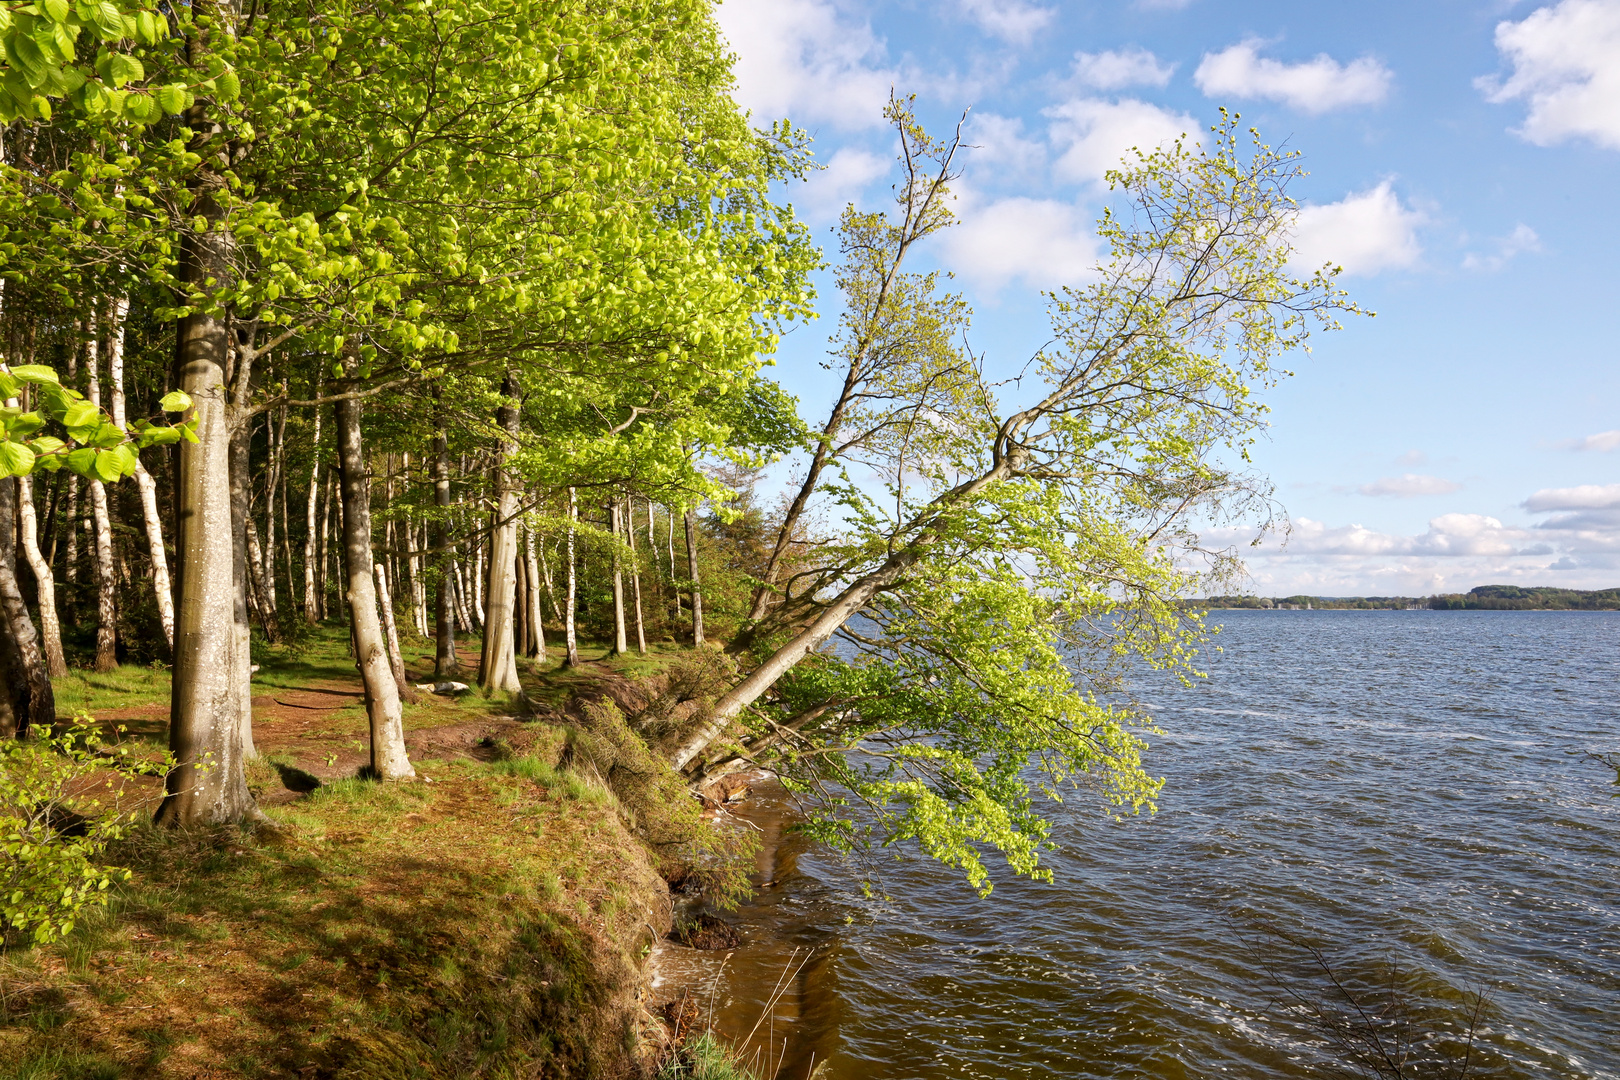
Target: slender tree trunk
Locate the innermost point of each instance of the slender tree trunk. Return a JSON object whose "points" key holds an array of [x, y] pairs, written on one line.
{"points": [[313, 581], [244, 541], [162, 587], [388, 759], [26, 696], [49, 623], [672, 573], [445, 665], [396, 659], [692, 572], [537, 619], [621, 644], [497, 672], [570, 638], [276, 436], [206, 786], [635, 574], [324, 562], [106, 576]]}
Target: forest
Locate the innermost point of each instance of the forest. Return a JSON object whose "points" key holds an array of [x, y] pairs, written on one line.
{"points": [[433, 343], [1480, 598]]}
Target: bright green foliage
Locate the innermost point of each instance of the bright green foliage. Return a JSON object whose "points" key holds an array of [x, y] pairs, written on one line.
{"points": [[95, 447], [59, 809], [1026, 562]]}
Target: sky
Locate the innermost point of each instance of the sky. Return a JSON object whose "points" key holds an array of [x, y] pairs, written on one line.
{"points": [[1464, 167]]}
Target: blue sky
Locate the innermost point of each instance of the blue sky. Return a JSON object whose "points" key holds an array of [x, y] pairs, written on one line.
{"points": [[1463, 164]]}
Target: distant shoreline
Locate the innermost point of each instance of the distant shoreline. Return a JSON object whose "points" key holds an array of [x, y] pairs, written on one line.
{"points": [[1483, 598]]}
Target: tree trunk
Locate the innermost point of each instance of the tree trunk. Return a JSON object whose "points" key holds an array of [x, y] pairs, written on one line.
{"points": [[692, 571], [106, 576], [312, 605], [276, 436], [635, 573], [49, 623], [570, 638], [621, 644], [672, 574], [26, 697], [162, 587], [324, 561], [497, 672], [243, 535], [206, 787], [388, 759], [537, 618], [445, 665], [396, 659]]}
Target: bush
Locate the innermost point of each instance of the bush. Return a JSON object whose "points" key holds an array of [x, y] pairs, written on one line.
{"points": [[59, 809]]}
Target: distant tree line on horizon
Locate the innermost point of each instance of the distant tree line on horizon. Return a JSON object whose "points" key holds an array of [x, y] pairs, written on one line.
{"points": [[1481, 598]]}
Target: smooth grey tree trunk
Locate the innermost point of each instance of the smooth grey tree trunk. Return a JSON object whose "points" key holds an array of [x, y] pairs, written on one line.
{"points": [[242, 535], [26, 696], [621, 643], [162, 587], [497, 671], [101, 515], [635, 572], [206, 787], [571, 639], [536, 613], [388, 758], [396, 659], [312, 598], [690, 519], [50, 624], [445, 665]]}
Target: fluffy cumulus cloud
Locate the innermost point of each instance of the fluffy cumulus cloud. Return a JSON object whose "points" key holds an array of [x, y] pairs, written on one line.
{"points": [[1575, 543], [1115, 70], [1565, 61], [999, 148], [1504, 250], [1042, 243], [1584, 497], [848, 173], [808, 60], [1092, 135], [1013, 21], [1313, 86], [1602, 442], [1364, 233], [1409, 486]]}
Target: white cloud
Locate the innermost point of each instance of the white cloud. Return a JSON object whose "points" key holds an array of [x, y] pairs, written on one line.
{"points": [[1410, 486], [806, 60], [1114, 70], [849, 172], [1602, 442], [1314, 86], [1522, 239], [1566, 66], [1096, 134], [1000, 147], [1012, 21], [1041, 242], [1584, 497], [1362, 233]]}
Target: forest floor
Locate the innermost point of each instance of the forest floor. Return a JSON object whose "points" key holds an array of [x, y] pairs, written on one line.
{"points": [[490, 919]]}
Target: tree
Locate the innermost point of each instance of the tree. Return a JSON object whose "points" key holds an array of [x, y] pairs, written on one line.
{"points": [[1025, 553]]}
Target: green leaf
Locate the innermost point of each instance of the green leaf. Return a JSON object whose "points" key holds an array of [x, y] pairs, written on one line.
{"points": [[175, 401], [119, 462], [21, 424], [35, 373], [105, 436], [46, 444], [81, 415], [228, 87], [83, 461], [108, 20], [171, 99], [124, 68], [57, 10], [160, 436], [9, 387], [15, 460]]}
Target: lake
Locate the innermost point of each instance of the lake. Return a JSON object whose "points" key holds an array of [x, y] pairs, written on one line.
{"points": [[1398, 802]]}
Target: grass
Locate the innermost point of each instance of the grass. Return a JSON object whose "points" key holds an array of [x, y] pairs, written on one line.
{"points": [[490, 921], [704, 1058]]}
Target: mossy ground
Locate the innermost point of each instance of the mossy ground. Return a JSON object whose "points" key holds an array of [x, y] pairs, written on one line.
{"points": [[488, 920]]}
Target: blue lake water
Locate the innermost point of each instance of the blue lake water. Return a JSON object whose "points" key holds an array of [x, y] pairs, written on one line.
{"points": [[1406, 792]]}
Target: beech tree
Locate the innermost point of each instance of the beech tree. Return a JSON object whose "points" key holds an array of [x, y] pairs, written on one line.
{"points": [[1028, 549]]}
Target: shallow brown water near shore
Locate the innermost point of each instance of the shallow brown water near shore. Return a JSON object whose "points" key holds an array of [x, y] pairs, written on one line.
{"points": [[1402, 790]]}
